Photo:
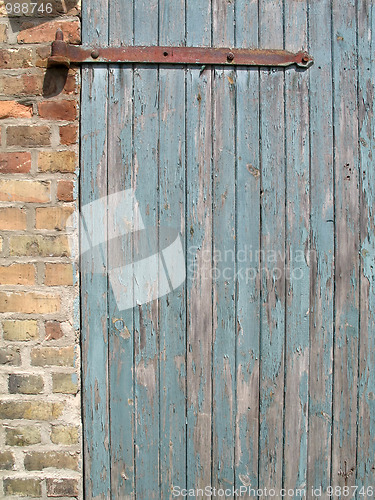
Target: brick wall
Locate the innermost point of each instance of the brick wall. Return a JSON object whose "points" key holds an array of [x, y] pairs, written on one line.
{"points": [[40, 442]]}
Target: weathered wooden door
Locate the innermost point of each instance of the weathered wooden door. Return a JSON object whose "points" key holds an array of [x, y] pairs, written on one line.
{"points": [[256, 371]]}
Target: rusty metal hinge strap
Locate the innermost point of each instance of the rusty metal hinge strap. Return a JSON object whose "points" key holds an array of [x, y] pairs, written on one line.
{"points": [[63, 54]]}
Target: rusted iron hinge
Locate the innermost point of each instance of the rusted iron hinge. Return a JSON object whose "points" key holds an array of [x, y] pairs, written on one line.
{"points": [[63, 54]]}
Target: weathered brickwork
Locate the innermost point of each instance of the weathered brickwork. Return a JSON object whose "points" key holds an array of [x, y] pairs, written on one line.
{"points": [[40, 417]]}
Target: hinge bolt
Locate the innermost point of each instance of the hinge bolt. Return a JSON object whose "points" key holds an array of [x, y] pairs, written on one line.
{"points": [[94, 54], [230, 56]]}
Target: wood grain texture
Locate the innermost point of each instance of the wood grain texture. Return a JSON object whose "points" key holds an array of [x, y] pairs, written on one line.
{"points": [[121, 327], [344, 432], [365, 474], [257, 370], [272, 339], [322, 249], [172, 311], [224, 254], [199, 252], [146, 317], [297, 255], [248, 254], [94, 298]]}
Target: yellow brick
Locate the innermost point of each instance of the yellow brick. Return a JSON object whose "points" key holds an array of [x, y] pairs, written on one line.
{"points": [[39, 460], [23, 487], [20, 330], [53, 356], [30, 410], [17, 274], [58, 274], [29, 303], [22, 436], [43, 246], [27, 191], [64, 434], [57, 161], [52, 217], [12, 219], [65, 383]]}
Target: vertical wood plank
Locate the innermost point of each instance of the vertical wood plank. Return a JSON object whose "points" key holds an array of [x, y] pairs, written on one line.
{"points": [[94, 302], [172, 312], [224, 254], [366, 396], [145, 185], [248, 252], [347, 241], [199, 251], [322, 248], [94, 284], [272, 133], [297, 247], [121, 334]]}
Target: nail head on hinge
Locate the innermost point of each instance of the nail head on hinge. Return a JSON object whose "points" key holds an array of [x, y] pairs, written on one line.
{"points": [[95, 54], [230, 56]]}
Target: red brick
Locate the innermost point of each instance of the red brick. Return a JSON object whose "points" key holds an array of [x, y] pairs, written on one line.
{"points": [[72, 83], [28, 136], [36, 32], [24, 84], [42, 55], [69, 134], [13, 109], [58, 110], [53, 330], [65, 191], [15, 58], [49, 84], [15, 163]]}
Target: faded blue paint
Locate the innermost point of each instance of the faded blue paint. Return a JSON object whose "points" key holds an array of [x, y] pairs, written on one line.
{"points": [[272, 287], [172, 308], [365, 474], [346, 165], [322, 247], [230, 381]]}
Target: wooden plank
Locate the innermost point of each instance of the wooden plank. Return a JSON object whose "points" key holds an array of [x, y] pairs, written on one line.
{"points": [[297, 247], [345, 351], [95, 22], [145, 185], [121, 346], [199, 251], [272, 135], [322, 248], [224, 254], [172, 312], [366, 411], [248, 253], [94, 284], [94, 304]]}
